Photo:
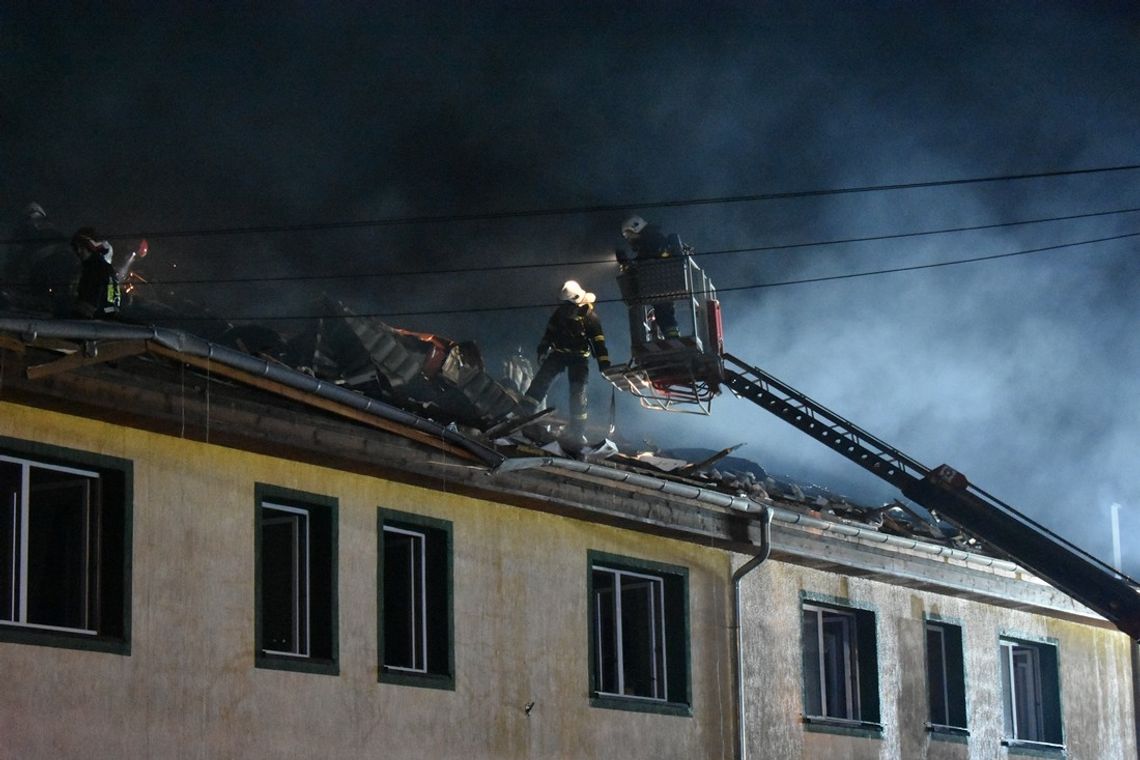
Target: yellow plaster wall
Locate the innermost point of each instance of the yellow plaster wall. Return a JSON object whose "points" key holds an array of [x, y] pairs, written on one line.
{"points": [[189, 688], [1096, 699]]}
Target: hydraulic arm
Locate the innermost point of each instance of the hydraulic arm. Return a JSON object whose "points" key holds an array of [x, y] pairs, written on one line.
{"points": [[1067, 567]]}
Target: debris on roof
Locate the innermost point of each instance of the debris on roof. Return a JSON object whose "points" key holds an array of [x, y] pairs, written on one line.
{"points": [[446, 382]]}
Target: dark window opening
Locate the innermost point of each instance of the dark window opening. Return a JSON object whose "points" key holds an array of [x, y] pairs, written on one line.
{"points": [[639, 633], [415, 600], [945, 675], [64, 552], [840, 664], [285, 580], [1031, 692], [296, 581]]}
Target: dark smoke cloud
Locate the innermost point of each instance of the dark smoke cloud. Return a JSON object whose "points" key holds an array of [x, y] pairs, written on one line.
{"points": [[1019, 372]]}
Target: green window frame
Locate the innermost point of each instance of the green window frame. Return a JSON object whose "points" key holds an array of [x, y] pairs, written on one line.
{"points": [[295, 560], [1031, 693], [945, 677], [65, 547], [415, 600], [840, 665], [639, 635]]}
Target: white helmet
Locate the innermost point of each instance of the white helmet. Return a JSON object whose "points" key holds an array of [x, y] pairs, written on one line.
{"points": [[632, 227], [572, 292], [34, 210]]}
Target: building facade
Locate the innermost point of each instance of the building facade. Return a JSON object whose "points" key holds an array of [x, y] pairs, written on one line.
{"points": [[198, 566]]}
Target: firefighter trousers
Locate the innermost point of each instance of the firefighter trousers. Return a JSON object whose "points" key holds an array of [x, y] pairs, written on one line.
{"points": [[577, 371]]}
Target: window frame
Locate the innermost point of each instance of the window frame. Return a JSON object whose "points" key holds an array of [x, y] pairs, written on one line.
{"points": [[1045, 659], [953, 666], [671, 628], [860, 658], [320, 653], [106, 535], [436, 592]]}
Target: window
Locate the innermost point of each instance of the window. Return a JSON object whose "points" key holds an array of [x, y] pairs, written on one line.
{"points": [[1031, 692], [841, 680], [639, 630], [945, 675], [296, 581], [415, 601], [65, 523]]}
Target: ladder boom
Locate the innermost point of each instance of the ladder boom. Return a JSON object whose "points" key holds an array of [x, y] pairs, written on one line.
{"points": [[1074, 571]]}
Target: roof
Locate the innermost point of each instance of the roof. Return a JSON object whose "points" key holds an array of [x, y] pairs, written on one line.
{"points": [[419, 392]]}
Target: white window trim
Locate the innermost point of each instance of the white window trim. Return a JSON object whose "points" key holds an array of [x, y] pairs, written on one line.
{"points": [[850, 661], [23, 509], [302, 576], [1010, 650], [419, 611], [657, 619], [941, 631]]}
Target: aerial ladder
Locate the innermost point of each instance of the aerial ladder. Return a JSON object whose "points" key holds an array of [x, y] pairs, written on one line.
{"points": [[685, 373]]}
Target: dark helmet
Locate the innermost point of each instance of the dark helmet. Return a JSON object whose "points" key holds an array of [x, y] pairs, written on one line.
{"points": [[81, 235]]}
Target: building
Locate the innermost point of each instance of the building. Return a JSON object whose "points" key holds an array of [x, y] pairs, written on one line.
{"points": [[209, 555]]}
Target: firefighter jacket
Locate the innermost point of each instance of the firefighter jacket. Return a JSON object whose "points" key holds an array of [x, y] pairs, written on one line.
{"points": [[654, 244], [577, 330], [98, 293]]}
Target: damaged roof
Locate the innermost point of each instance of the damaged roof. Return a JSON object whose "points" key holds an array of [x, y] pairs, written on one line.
{"points": [[428, 389], [178, 383]]}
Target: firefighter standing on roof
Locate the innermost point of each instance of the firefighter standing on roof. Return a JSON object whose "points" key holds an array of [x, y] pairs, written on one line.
{"points": [[573, 333], [98, 294], [648, 242]]}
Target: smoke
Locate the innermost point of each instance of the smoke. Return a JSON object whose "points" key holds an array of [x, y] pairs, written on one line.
{"points": [[1016, 371]]}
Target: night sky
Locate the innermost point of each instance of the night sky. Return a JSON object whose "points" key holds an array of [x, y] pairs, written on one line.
{"points": [[1019, 371]]}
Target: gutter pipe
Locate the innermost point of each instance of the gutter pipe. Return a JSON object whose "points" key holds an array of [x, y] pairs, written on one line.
{"points": [[738, 638], [192, 345]]}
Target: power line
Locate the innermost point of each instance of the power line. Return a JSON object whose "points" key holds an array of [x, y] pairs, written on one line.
{"points": [[600, 208], [934, 265], [608, 261], [756, 286]]}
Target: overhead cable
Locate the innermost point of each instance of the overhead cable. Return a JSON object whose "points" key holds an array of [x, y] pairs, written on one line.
{"points": [[756, 286], [600, 208], [611, 260]]}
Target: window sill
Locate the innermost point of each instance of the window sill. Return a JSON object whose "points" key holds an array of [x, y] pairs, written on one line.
{"points": [[16, 633], [638, 704], [421, 680], [948, 733], [296, 664], [1034, 749], [864, 728]]}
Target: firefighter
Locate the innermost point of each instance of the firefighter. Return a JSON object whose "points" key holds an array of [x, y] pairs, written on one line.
{"points": [[98, 295], [648, 242], [39, 272], [573, 333]]}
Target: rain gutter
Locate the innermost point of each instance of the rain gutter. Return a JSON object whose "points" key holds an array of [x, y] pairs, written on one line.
{"points": [[681, 490], [744, 504], [789, 517], [738, 638], [192, 345]]}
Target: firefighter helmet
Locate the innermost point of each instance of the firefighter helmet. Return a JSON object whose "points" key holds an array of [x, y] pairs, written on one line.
{"points": [[633, 226], [573, 292]]}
